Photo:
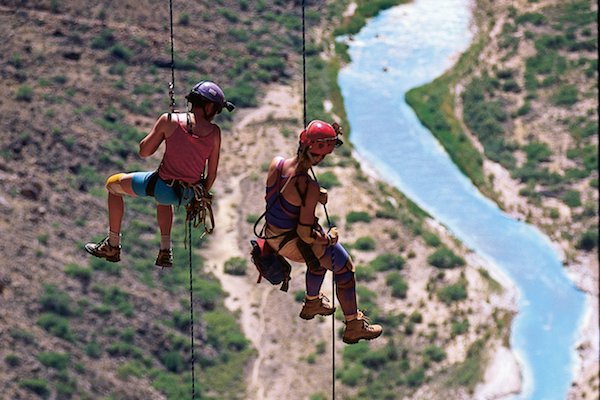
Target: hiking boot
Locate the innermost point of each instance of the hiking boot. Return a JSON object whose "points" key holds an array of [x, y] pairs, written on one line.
{"points": [[103, 249], [319, 306], [164, 258], [360, 328]]}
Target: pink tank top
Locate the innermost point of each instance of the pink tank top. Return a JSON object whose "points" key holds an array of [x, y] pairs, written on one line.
{"points": [[185, 154]]}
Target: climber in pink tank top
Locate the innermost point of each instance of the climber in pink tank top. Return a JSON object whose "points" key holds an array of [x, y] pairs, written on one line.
{"points": [[191, 157]]}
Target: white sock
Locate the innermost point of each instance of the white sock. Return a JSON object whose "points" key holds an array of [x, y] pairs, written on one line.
{"points": [[165, 242], [114, 238]]}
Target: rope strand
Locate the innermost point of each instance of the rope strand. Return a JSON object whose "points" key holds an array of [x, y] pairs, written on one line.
{"points": [[324, 207], [191, 310], [172, 83]]}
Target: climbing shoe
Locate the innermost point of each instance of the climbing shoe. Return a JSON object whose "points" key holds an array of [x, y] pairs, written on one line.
{"points": [[103, 249], [164, 258], [319, 306], [360, 328]]}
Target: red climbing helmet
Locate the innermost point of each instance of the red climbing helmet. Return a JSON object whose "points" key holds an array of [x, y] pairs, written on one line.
{"points": [[320, 137]]}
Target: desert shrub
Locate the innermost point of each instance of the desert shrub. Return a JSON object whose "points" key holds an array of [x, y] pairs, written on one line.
{"points": [[416, 317], [352, 374], [459, 327], [365, 273], [532, 18], [252, 218], [434, 353], [235, 266], [55, 301], [100, 264], [445, 258], [364, 243], [80, 273], [566, 95], [104, 40], [37, 386], [431, 239], [415, 377], [181, 320], [12, 360], [58, 361], [328, 180], [537, 151], [357, 216], [184, 19], [572, 198], [56, 325], [387, 261], [223, 332], [229, 14], [24, 93], [453, 293], [121, 52], [92, 349], [399, 286], [173, 361], [588, 241]]}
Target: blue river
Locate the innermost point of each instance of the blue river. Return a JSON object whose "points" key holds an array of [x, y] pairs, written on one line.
{"points": [[408, 46]]}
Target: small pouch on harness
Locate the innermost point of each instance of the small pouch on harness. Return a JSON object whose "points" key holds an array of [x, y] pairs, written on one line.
{"points": [[270, 265]]}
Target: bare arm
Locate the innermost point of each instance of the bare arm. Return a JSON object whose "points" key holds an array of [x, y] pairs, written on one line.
{"points": [[160, 131], [213, 161], [307, 217]]}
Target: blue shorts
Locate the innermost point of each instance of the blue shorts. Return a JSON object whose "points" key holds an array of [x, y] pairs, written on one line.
{"points": [[163, 193]]}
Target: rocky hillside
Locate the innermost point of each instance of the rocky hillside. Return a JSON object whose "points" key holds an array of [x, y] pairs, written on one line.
{"points": [[84, 82]]}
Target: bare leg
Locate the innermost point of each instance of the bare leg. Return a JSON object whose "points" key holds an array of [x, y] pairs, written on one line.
{"points": [[116, 209], [164, 216]]}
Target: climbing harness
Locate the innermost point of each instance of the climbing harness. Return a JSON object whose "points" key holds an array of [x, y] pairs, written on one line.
{"points": [[199, 210]]}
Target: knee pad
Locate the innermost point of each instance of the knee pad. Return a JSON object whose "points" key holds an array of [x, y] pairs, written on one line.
{"points": [[345, 279], [113, 184]]}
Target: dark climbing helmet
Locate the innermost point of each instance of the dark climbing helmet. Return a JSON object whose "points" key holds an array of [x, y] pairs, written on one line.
{"points": [[320, 137], [211, 92]]}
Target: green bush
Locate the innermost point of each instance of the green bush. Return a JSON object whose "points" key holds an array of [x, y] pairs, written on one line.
{"points": [[56, 325], [431, 239], [100, 264], [364, 273], [357, 216], [387, 261], [328, 180], [459, 327], [24, 93], [104, 40], [173, 361], [415, 377], [588, 241], [453, 293], [56, 301], [120, 52], [351, 375], [181, 320], [12, 360], [235, 266], [92, 349], [532, 18], [37, 386], [364, 243], [445, 258], [566, 95], [434, 353], [572, 198], [58, 361], [398, 284], [80, 273]]}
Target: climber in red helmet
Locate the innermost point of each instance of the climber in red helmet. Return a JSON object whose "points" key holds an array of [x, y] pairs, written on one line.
{"points": [[292, 197]]}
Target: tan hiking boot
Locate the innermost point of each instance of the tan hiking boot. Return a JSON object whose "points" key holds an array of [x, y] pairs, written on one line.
{"points": [[164, 258], [103, 249], [360, 328], [320, 306]]}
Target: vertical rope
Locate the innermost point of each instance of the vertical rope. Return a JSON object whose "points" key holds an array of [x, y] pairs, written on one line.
{"points": [[304, 64], [191, 309], [304, 117], [172, 83]]}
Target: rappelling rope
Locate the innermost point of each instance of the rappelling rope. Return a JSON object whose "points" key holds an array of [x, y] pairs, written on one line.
{"points": [[189, 220], [324, 207]]}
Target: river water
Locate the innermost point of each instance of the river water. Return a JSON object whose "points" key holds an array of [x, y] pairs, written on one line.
{"points": [[405, 47]]}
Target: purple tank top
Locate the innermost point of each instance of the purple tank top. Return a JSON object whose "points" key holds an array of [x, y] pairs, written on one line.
{"points": [[185, 154]]}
